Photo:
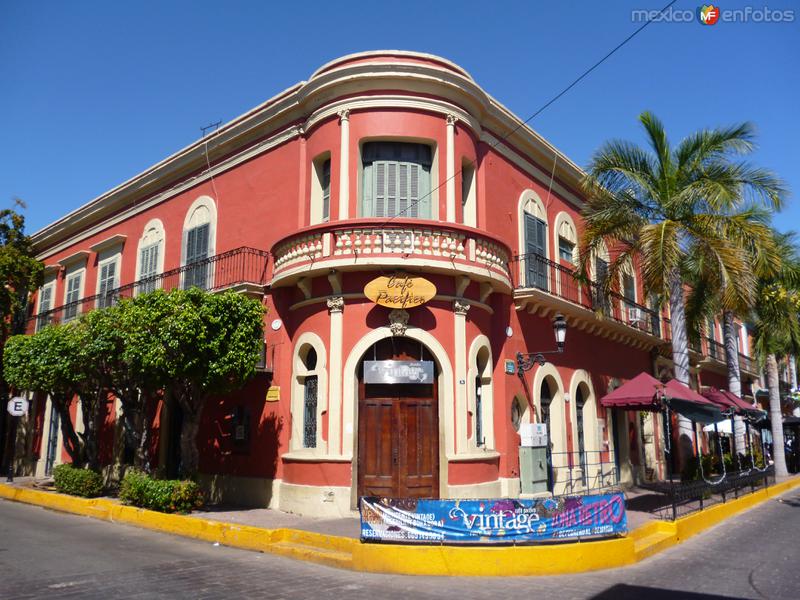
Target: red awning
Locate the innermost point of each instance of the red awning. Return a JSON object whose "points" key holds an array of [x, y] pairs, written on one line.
{"points": [[675, 390], [643, 392], [741, 403], [718, 397], [684, 400]]}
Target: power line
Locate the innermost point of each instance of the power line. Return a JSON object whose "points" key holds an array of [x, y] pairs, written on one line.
{"points": [[544, 107]]}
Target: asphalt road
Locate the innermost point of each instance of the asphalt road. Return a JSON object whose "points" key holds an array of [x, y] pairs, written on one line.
{"points": [[45, 554]]}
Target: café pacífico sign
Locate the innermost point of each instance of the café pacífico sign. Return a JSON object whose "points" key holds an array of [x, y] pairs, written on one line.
{"points": [[400, 291]]}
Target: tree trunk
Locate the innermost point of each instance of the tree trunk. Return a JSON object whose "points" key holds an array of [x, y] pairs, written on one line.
{"points": [[793, 382], [190, 456], [680, 358], [734, 375], [72, 443], [775, 417], [90, 407]]}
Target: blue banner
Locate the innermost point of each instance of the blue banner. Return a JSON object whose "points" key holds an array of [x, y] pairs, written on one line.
{"points": [[501, 521]]}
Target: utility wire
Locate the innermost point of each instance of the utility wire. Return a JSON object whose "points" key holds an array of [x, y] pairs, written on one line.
{"points": [[541, 109]]}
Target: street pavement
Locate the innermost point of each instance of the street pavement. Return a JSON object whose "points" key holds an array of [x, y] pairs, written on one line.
{"points": [[44, 554]]}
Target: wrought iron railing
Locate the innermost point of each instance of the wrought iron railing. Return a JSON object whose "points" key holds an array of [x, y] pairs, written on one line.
{"points": [[242, 266], [674, 499], [538, 272], [747, 364], [580, 472], [716, 350]]}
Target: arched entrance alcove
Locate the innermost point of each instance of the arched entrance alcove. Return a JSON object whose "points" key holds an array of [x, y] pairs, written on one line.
{"points": [[398, 420], [443, 371]]}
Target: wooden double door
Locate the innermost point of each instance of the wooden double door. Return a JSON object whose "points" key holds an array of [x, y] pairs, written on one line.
{"points": [[398, 433]]}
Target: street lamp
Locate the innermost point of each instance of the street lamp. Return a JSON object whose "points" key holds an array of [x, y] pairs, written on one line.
{"points": [[525, 361]]}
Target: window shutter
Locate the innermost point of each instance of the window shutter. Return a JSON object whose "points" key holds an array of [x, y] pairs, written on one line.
{"points": [[380, 190], [197, 243], [391, 190], [367, 191], [326, 190], [403, 191], [46, 299]]}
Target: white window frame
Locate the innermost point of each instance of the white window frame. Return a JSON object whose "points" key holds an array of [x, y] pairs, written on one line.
{"points": [[202, 211], [481, 345], [116, 258], [316, 212], [71, 275], [153, 234], [300, 372], [51, 287]]}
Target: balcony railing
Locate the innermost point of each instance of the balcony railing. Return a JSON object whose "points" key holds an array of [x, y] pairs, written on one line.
{"points": [[240, 267], [543, 274], [347, 244], [716, 350]]}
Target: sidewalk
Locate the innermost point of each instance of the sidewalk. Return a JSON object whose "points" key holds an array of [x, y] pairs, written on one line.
{"points": [[334, 542]]}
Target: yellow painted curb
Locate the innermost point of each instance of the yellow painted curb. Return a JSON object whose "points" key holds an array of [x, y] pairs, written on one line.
{"points": [[348, 553]]}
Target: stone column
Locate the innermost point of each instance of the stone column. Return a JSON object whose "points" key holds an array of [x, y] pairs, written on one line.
{"points": [[460, 308], [451, 168], [344, 165], [335, 308]]}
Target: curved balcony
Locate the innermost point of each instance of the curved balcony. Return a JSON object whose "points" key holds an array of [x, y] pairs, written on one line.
{"points": [[359, 244]]}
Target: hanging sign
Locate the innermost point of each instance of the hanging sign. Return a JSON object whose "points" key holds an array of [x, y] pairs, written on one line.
{"points": [[400, 291], [398, 371], [493, 521]]}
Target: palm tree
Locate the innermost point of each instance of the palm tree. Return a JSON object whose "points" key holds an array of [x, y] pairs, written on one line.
{"points": [[665, 206], [711, 291], [776, 326]]}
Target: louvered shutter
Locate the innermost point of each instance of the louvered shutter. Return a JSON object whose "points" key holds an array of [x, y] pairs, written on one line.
{"points": [[379, 195], [326, 190], [536, 267], [197, 251]]}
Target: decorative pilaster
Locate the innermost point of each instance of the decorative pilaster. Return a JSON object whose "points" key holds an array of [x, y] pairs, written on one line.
{"points": [[451, 168], [460, 308], [344, 164], [336, 309]]}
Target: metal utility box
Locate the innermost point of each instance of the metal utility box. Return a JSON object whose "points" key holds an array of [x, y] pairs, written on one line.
{"points": [[533, 466]]}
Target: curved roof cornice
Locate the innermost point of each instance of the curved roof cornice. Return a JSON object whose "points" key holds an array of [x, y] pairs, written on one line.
{"points": [[284, 116]]}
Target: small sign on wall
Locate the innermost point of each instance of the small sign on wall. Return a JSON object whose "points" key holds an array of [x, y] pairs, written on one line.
{"points": [[510, 367], [273, 393]]}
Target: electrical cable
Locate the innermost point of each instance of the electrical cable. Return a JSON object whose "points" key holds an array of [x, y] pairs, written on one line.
{"points": [[540, 110]]}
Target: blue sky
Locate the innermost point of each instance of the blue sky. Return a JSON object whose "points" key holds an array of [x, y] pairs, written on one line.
{"points": [[92, 93]]}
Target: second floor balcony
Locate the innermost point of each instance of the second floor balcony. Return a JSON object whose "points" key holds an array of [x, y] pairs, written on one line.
{"points": [[363, 244], [243, 269], [544, 286]]}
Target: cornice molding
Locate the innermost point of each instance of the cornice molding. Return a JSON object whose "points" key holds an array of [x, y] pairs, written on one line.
{"points": [[455, 93]]}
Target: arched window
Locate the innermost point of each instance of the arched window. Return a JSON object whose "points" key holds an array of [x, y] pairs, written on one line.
{"points": [[397, 180], [321, 189], [566, 238], [481, 396], [150, 259], [199, 243], [545, 400], [580, 402], [310, 391], [308, 395], [533, 240]]}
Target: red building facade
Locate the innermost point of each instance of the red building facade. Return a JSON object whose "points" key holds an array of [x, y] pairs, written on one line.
{"points": [[381, 164]]}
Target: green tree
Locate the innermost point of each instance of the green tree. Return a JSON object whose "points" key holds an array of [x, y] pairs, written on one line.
{"points": [[109, 370], [47, 362], [21, 275], [199, 345], [665, 206]]}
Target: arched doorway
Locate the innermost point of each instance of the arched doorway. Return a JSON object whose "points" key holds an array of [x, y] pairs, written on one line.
{"points": [[398, 421]]}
